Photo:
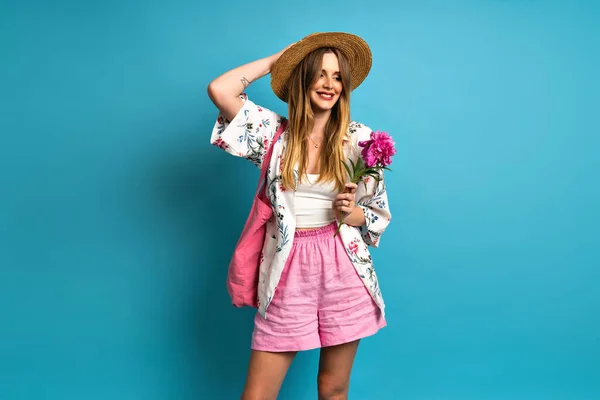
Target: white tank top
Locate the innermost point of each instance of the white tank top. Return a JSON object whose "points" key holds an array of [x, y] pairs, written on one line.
{"points": [[313, 202]]}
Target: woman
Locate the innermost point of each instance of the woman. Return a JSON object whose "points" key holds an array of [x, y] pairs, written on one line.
{"points": [[315, 289]]}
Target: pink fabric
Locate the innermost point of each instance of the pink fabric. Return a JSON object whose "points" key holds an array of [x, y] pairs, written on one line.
{"points": [[320, 300], [242, 275]]}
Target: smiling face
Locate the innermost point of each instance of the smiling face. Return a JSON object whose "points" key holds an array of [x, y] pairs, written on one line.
{"points": [[319, 87], [325, 91]]}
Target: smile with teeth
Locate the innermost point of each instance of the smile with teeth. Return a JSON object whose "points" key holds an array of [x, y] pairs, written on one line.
{"points": [[325, 96]]}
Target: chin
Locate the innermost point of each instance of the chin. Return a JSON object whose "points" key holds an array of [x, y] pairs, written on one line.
{"points": [[319, 105]]}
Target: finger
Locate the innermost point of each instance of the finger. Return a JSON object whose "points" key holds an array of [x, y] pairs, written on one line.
{"points": [[351, 187], [345, 196], [339, 198], [344, 203], [346, 210]]}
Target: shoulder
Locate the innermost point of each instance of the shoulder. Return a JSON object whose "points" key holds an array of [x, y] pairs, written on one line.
{"points": [[249, 105], [357, 131], [260, 117]]}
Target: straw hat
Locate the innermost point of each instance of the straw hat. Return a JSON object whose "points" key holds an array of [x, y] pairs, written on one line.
{"points": [[355, 49]]}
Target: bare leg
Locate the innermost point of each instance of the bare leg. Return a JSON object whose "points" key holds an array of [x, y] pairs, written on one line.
{"points": [[335, 366], [265, 374]]}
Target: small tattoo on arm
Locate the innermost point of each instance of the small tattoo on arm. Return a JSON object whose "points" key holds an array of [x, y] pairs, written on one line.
{"points": [[245, 82]]}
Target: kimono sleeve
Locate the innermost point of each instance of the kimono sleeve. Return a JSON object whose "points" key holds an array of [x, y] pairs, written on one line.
{"points": [[248, 134], [371, 196]]}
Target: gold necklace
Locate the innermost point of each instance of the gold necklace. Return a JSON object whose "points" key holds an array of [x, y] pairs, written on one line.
{"points": [[316, 144]]}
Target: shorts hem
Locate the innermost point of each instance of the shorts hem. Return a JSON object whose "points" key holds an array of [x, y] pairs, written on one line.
{"points": [[284, 349], [361, 335], [327, 343], [287, 350]]}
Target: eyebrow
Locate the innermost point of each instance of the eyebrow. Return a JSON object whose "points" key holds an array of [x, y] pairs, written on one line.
{"points": [[336, 72]]}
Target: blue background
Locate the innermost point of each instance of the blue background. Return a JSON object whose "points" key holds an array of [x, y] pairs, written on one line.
{"points": [[117, 218]]}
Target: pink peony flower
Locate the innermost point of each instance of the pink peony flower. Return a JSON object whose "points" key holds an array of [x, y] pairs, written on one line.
{"points": [[376, 155], [378, 151]]}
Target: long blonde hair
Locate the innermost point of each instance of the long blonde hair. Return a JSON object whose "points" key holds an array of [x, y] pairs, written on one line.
{"points": [[301, 120]]}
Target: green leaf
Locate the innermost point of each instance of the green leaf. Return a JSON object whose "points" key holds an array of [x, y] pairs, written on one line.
{"points": [[360, 174], [347, 169], [360, 163], [356, 171]]}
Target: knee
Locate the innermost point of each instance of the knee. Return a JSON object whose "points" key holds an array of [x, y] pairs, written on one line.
{"points": [[332, 388]]}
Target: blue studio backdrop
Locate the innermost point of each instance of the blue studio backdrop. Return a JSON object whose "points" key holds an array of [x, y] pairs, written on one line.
{"points": [[117, 217]]}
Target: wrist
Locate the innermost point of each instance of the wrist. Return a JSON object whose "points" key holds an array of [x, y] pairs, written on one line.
{"points": [[271, 60], [355, 218]]}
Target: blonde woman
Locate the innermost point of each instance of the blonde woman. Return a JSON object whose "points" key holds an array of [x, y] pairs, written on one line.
{"points": [[315, 289]]}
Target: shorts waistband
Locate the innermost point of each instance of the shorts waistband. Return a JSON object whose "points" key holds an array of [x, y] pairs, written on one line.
{"points": [[312, 234]]}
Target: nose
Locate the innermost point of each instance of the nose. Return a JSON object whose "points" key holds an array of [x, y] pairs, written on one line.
{"points": [[328, 83]]}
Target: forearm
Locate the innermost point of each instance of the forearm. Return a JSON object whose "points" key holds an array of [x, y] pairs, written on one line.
{"points": [[232, 83], [225, 90], [355, 218]]}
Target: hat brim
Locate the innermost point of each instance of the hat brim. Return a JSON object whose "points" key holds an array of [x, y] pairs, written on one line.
{"points": [[354, 48]]}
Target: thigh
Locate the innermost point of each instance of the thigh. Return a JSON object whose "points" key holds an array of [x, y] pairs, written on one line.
{"points": [[347, 311], [291, 322], [335, 366], [266, 372]]}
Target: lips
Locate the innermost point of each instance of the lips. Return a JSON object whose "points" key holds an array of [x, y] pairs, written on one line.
{"points": [[325, 95]]}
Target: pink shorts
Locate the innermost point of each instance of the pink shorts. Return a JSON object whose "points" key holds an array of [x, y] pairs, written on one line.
{"points": [[320, 300]]}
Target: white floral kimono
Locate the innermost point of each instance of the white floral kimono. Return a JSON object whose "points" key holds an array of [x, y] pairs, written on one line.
{"points": [[250, 132]]}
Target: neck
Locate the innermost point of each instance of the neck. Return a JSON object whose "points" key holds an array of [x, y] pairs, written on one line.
{"points": [[320, 120]]}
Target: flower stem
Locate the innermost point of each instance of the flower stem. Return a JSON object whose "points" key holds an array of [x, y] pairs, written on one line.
{"points": [[338, 228], [340, 223]]}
